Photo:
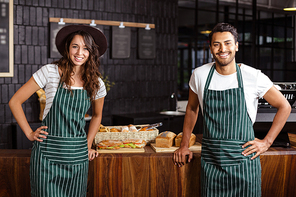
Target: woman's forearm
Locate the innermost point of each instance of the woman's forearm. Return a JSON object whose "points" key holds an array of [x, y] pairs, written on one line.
{"points": [[94, 126], [19, 115]]}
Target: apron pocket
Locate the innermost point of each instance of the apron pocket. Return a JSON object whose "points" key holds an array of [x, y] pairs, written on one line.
{"points": [[223, 152], [66, 151]]}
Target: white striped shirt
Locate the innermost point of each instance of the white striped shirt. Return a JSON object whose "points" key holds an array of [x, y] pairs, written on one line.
{"points": [[48, 76]]}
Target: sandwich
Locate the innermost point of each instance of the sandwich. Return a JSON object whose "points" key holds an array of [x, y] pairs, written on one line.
{"points": [[110, 144], [134, 143]]}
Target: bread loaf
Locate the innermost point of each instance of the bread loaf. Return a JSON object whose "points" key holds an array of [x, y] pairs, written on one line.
{"points": [[165, 139], [178, 139]]}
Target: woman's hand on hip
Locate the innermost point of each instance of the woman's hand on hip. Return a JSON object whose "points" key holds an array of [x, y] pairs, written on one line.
{"points": [[38, 134], [92, 154], [255, 146]]}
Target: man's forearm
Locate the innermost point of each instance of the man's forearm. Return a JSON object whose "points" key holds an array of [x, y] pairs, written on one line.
{"points": [[189, 123], [279, 122]]}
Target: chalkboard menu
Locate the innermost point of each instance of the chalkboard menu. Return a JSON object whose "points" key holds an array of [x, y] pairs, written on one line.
{"points": [[6, 38], [54, 29], [121, 42], [146, 49]]}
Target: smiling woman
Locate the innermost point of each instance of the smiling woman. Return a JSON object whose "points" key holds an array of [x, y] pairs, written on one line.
{"points": [[62, 149]]}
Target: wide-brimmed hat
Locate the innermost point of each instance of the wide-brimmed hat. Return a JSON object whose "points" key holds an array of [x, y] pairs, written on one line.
{"points": [[97, 35]]}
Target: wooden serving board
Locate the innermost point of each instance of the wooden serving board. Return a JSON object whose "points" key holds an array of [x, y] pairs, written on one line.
{"points": [[122, 150], [194, 148]]}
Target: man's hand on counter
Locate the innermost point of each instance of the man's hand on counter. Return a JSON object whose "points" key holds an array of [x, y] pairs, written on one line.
{"points": [[92, 154], [182, 155]]}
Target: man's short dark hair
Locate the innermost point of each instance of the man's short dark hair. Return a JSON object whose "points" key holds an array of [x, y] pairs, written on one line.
{"points": [[224, 27]]}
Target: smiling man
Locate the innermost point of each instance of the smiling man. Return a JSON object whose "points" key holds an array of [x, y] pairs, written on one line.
{"points": [[227, 93]]}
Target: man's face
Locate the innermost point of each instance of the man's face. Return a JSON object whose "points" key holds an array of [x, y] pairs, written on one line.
{"points": [[223, 48]]}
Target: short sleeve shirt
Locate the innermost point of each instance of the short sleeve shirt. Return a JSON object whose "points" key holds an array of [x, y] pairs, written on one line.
{"points": [[48, 76], [255, 84]]}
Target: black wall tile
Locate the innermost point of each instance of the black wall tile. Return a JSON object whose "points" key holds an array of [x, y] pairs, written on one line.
{"points": [[15, 75], [39, 17], [28, 35], [4, 95], [42, 36], [37, 54], [21, 34], [31, 59], [21, 71], [66, 3], [35, 34], [26, 15], [72, 4], [54, 3], [41, 2], [24, 52], [48, 3], [17, 54], [28, 71], [19, 15], [34, 2], [32, 16], [45, 16]]}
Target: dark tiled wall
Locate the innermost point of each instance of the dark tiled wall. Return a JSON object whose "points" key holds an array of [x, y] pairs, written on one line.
{"points": [[140, 85]]}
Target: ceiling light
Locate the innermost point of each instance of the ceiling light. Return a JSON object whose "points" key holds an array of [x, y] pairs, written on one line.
{"points": [[291, 6], [205, 32]]}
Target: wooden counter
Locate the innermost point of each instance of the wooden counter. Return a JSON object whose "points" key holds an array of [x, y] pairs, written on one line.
{"points": [[150, 174]]}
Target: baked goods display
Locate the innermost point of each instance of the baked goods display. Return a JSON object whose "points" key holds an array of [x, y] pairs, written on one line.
{"points": [[178, 139], [144, 132], [168, 139], [128, 128], [165, 139], [117, 144]]}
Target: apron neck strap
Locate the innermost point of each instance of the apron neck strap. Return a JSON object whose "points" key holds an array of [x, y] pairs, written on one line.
{"points": [[238, 73]]}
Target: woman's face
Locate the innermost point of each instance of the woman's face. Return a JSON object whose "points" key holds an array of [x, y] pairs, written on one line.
{"points": [[78, 51]]}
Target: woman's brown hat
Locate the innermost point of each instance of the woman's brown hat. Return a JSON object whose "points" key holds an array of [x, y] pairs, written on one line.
{"points": [[97, 35]]}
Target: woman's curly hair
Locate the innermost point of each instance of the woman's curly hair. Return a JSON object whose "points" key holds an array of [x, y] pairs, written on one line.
{"points": [[90, 70]]}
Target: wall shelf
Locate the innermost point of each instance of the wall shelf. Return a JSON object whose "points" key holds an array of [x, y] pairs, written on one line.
{"points": [[101, 22]]}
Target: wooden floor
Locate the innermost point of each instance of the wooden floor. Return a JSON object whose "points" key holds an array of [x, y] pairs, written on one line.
{"points": [[150, 174]]}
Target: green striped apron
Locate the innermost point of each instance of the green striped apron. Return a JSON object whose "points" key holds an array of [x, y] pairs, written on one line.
{"points": [[59, 164], [227, 126]]}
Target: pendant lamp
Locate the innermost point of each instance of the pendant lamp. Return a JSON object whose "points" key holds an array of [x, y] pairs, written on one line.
{"points": [[291, 6]]}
